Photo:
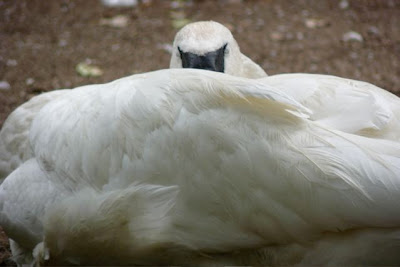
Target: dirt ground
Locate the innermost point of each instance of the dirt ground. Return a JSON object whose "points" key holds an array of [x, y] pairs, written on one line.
{"points": [[42, 42]]}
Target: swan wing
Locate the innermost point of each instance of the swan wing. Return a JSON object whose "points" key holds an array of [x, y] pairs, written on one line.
{"points": [[347, 105], [139, 104], [14, 135]]}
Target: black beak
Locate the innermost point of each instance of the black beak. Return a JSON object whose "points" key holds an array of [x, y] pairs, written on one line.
{"points": [[213, 61]]}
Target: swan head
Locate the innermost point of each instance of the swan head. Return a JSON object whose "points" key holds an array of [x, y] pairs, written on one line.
{"points": [[206, 45]]}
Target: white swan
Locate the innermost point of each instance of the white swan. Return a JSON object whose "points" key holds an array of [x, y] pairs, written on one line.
{"points": [[199, 167], [210, 45]]}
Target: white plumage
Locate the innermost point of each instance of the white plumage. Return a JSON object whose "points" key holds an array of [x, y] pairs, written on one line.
{"points": [[198, 167], [14, 144], [343, 104]]}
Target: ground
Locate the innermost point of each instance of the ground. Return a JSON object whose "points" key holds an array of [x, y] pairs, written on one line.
{"points": [[42, 42]]}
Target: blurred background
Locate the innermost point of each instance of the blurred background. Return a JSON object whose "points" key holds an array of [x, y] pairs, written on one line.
{"points": [[47, 45]]}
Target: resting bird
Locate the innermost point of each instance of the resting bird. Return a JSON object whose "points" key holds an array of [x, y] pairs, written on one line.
{"points": [[197, 167], [209, 45]]}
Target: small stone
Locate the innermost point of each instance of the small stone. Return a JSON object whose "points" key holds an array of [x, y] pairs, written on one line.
{"points": [[373, 30], [62, 43], [175, 4], [11, 63], [115, 47], [289, 36], [29, 81], [4, 85], [371, 56], [299, 36], [273, 53], [248, 11], [277, 36], [352, 36], [313, 67], [344, 4], [305, 12], [260, 22], [119, 3], [353, 55]]}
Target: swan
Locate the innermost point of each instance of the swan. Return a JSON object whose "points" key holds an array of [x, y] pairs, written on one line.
{"points": [[210, 45], [186, 166]]}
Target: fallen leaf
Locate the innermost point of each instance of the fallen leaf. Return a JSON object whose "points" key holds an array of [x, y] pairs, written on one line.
{"points": [[316, 23], [179, 19], [87, 70], [179, 23], [119, 21]]}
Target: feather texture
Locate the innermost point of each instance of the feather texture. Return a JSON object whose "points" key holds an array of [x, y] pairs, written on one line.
{"points": [[14, 143], [177, 166], [343, 104]]}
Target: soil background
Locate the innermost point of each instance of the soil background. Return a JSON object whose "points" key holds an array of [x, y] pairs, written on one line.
{"points": [[42, 41]]}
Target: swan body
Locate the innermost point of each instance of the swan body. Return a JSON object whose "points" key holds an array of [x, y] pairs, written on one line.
{"points": [[210, 45], [199, 167]]}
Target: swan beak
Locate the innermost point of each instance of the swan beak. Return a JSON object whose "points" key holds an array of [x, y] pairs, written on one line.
{"points": [[213, 61]]}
